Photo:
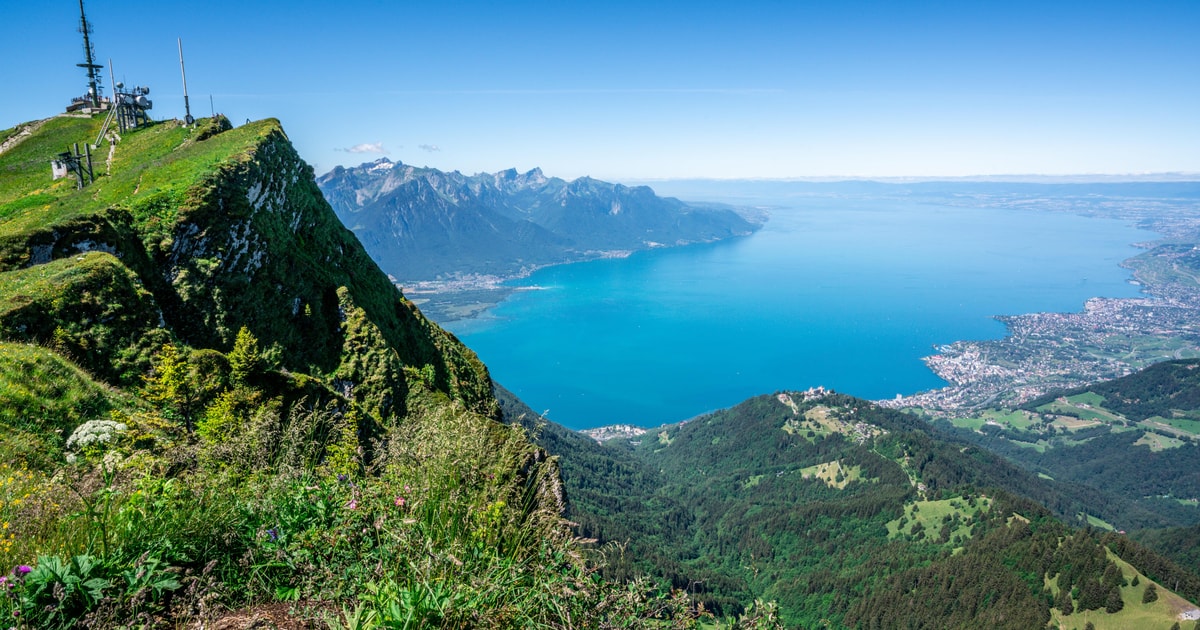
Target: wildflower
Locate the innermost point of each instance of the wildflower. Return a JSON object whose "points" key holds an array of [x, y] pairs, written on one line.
{"points": [[342, 478], [273, 535], [94, 432], [399, 502], [22, 569], [353, 505]]}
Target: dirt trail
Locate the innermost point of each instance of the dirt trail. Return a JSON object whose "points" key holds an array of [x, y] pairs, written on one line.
{"points": [[25, 132]]}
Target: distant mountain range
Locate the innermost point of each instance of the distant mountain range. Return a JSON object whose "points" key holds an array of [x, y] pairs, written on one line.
{"points": [[426, 224]]}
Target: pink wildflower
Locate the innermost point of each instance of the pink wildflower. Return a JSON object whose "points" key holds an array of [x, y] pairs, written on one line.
{"points": [[353, 505], [399, 502]]}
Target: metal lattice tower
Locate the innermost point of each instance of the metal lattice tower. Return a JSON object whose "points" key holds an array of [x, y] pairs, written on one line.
{"points": [[89, 59]]}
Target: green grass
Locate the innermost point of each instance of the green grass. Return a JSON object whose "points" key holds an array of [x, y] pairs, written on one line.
{"points": [[1158, 442], [821, 421], [89, 307], [1087, 398], [5, 134], [1183, 425], [25, 168], [974, 424], [43, 393], [1095, 521], [828, 473], [1017, 419], [929, 517], [443, 532], [1073, 424], [1158, 614], [1085, 406], [155, 170]]}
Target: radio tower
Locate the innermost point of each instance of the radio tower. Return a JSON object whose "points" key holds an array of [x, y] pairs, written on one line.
{"points": [[91, 67]]}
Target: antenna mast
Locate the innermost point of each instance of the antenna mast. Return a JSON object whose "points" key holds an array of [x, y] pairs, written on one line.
{"points": [[89, 64], [187, 109]]}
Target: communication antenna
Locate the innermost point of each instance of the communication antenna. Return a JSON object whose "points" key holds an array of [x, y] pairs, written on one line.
{"points": [[89, 53], [131, 106], [187, 118]]}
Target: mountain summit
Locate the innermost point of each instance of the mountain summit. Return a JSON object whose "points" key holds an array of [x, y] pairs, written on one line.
{"points": [[426, 224]]}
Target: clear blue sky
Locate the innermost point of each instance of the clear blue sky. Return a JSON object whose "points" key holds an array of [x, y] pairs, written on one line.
{"points": [[636, 90]]}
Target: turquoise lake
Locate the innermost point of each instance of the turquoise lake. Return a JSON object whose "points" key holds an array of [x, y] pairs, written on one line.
{"points": [[845, 293]]}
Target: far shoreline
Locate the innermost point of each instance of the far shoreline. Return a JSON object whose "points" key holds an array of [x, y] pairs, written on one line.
{"points": [[962, 393]]}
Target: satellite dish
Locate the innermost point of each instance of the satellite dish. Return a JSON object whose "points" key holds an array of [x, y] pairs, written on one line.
{"points": [[188, 119], [120, 85]]}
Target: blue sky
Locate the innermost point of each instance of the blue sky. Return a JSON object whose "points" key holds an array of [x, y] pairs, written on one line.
{"points": [[643, 90]]}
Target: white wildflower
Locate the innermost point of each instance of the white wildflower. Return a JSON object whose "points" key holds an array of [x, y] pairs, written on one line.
{"points": [[94, 432]]}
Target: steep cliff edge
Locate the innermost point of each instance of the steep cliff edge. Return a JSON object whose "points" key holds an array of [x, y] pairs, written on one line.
{"points": [[206, 231], [211, 398]]}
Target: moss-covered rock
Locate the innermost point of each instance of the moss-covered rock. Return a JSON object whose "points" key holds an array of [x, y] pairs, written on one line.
{"points": [[90, 308]]}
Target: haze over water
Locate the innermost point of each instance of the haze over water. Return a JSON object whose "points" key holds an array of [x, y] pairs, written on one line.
{"points": [[844, 293]]}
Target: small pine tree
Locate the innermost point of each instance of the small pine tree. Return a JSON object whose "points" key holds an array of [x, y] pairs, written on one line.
{"points": [[170, 384], [1150, 594], [1135, 581], [245, 358], [1113, 603], [1089, 626]]}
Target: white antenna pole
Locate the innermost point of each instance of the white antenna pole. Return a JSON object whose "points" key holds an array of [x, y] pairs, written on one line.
{"points": [[187, 118]]}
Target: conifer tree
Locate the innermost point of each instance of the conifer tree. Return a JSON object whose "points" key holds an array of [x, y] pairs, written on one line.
{"points": [[1063, 602], [170, 385], [1114, 603], [245, 358]]}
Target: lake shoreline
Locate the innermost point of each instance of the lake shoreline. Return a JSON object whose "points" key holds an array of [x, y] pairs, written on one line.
{"points": [[515, 345]]}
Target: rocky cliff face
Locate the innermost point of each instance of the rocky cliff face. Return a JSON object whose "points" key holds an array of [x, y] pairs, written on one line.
{"points": [[422, 223], [242, 238]]}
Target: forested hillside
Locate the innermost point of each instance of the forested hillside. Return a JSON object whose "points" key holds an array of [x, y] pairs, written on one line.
{"points": [[1134, 439], [852, 516]]}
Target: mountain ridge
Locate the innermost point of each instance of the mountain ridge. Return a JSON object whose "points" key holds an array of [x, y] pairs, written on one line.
{"points": [[426, 224]]}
